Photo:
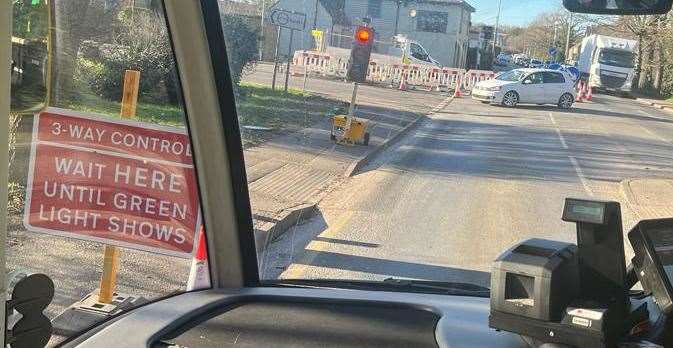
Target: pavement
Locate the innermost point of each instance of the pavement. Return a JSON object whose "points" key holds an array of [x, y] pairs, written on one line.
{"points": [[659, 104], [474, 179]]}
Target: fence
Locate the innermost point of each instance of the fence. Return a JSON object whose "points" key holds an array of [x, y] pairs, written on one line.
{"points": [[426, 76]]}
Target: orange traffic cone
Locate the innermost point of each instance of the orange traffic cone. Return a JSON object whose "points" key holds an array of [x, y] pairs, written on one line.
{"points": [[199, 275], [403, 83], [589, 95], [580, 92], [457, 93]]}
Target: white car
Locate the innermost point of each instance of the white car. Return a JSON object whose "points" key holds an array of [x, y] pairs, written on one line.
{"points": [[534, 63], [527, 86]]}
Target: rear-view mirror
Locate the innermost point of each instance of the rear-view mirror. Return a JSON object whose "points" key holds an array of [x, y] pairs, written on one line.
{"points": [[30, 63], [619, 7]]}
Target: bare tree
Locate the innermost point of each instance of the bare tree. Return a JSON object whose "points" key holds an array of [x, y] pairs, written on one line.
{"points": [[538, 36]]}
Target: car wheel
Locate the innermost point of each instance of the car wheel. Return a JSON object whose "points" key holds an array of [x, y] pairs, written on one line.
{"points": [[510, 99], [566, 101]]}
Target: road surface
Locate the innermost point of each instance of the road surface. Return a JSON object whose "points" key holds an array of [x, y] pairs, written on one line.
{"points": [[471, 181]]}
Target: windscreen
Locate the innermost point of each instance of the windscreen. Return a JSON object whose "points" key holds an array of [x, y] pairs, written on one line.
{"points": [[412, 173], [362, 163], [514, 75], [618, 58], [103, 197]]}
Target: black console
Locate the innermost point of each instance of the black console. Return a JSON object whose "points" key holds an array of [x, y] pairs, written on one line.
{"points": [[557, 292], [652, 242]]}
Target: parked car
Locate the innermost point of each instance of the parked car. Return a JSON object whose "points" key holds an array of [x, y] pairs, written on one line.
{"points": [[520, 60], [527, 86], [534, 63]]}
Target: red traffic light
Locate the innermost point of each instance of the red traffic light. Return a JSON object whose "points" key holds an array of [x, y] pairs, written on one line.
{"points": [[363, 34]]}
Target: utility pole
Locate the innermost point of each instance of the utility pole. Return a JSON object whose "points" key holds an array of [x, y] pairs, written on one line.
{"points": [[397, 16], [261, 30], [495, 32], [567, 51], [315, 15]]}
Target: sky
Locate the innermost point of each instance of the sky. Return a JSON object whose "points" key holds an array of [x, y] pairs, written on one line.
{"points": [[513, 12]]}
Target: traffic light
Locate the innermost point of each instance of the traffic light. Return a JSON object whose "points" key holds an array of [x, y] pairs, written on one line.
{"points": [[360, 53]]}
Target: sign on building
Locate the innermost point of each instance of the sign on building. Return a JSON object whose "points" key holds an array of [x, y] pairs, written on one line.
{"points": [[113, 181]]}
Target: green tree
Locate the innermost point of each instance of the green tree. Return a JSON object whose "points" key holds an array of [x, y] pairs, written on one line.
{"points": [[241, 40], [30, 19]]}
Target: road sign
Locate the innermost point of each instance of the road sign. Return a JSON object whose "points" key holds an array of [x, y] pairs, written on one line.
{"points": [[288, 19], [113, 181], [552, 51]]}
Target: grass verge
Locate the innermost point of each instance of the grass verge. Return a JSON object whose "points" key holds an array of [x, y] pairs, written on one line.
{"points": [[258, 106]]}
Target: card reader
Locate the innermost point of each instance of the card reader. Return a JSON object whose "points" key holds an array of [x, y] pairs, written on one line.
{"points": [[558, 292]]}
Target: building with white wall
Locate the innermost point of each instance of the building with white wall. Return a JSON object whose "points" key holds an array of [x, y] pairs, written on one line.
{"points": [[440, 26]]}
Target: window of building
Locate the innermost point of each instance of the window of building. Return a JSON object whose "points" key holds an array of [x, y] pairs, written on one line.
{"points": [[374, 8], [432, 21]]}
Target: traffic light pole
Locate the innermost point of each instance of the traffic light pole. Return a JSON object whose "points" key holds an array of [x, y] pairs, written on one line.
{"points": [[351, 108]]}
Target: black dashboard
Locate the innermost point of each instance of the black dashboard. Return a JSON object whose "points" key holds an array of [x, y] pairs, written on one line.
{"points": [[296, 317]]}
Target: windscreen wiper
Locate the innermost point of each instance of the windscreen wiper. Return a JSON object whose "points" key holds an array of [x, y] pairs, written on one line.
{"points": [[390, 284]]}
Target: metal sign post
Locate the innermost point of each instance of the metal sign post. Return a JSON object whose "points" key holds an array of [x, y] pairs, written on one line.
{"points": [[290, 20]]}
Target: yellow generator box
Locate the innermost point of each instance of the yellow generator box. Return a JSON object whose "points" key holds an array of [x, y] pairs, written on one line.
{"points": [[349, 129]]}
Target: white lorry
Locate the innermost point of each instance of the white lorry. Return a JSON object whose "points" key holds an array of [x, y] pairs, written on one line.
{"points": [[607, 63], [402, 50]]}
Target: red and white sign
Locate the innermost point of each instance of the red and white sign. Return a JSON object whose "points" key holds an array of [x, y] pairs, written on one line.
{"points": [[113, 181]]}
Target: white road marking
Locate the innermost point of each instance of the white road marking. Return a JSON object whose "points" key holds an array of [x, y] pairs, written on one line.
{"points": [[573, 160], [552, 118], [558, 131], [560, 136], [659, 137], [580, 174]]}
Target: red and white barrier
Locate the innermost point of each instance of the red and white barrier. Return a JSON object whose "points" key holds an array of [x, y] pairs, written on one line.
{"points": [[382, 72], [451, 77], [472, 77]]}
